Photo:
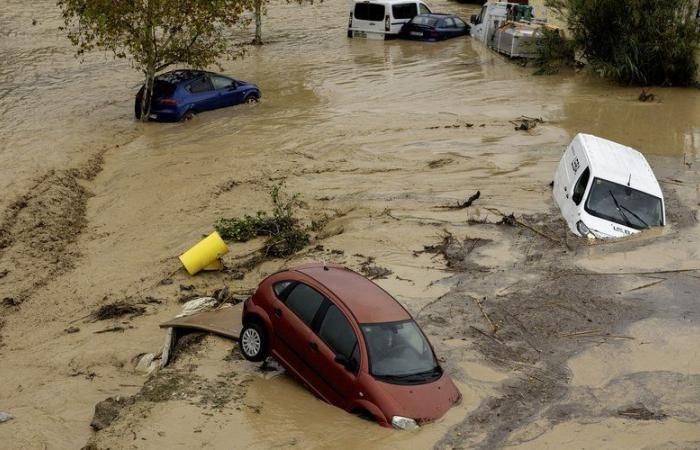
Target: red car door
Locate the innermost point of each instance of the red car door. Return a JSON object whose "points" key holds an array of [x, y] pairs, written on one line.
{"points": [[291, 322], [336, 354]]}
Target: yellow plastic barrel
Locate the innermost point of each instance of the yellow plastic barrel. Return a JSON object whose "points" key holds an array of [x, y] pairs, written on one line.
{"points": [[204, 254]]}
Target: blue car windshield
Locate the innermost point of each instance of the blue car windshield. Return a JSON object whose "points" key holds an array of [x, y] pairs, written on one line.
{"points": [[399, 351], [427, 21]]}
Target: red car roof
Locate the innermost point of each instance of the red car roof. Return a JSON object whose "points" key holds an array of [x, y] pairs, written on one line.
{"points": [[368, 302]]}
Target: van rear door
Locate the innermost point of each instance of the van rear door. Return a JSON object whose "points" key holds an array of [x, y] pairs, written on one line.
{"points": [[368, 19]]}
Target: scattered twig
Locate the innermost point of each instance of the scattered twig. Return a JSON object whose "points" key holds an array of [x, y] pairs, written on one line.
{"points": [[487, 335], [653, 283], [580, 333], [494, 327], [111, 330]]}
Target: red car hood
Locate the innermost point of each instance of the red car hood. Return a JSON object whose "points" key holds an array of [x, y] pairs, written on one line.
{"points": [[423, 402]]}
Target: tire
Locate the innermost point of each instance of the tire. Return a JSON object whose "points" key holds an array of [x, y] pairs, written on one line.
{"points": [[253, 342], [252, 98], [189, 115]]}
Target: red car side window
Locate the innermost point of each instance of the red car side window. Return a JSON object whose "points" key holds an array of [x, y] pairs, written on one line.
{"points": [[338, 334], [304, 301], [281, 288]]}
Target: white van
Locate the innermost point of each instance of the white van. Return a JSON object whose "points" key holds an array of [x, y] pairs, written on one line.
{"points": [[382, 19], [607, 190]]}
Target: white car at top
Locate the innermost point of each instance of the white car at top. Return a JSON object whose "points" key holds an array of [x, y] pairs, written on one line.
{"points": [[607, 190], [382, 19]]}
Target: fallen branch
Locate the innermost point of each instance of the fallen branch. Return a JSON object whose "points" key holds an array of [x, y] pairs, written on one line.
{"points": [[510, 219], [467, 203]]}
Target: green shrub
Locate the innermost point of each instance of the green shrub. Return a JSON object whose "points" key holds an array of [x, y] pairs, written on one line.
{"points": [[285, 235], [554, 51], [636, 41]]}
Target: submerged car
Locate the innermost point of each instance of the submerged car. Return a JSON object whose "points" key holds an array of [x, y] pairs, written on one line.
{"points": [[434, 27], [382, 19], [607, 190], [181, 94], [349, 342]]}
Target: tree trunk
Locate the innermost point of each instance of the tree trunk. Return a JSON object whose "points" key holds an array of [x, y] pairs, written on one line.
{"points": [[147, 93], [258, 23]]}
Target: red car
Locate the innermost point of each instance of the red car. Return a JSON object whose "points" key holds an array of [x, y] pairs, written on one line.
{"points": [[349, 342]]}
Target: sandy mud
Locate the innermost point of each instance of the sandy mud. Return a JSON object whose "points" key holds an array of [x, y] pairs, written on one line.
{"points": [[553, 342]]}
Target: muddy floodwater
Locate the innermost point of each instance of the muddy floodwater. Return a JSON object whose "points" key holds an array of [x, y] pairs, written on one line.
{"points": [[553, 342]]}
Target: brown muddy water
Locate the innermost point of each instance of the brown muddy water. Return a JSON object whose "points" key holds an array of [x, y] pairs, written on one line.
{"points": [[96, 207]]}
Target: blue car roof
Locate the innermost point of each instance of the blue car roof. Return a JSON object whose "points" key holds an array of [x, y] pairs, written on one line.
{"points": [[184, 75]]}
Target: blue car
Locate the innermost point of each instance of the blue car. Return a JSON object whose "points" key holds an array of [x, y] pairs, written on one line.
{"points": [[434, 27], [181, 94]]}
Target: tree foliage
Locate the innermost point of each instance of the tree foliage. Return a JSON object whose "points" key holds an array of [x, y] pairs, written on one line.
{"points": [[636, 41], [554, 51], [155, 34]]}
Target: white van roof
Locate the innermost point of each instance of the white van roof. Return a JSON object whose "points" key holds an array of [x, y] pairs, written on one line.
{"points": [[387, 2], [619, 164]]}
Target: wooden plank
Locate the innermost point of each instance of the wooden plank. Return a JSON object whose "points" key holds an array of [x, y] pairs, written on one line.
{"points": [[223, 321]]}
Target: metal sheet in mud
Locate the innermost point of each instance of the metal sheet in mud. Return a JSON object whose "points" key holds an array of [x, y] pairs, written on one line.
{"points": [[223, 321]]}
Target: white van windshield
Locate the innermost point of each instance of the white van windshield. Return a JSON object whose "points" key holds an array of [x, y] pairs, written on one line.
{"points": [[624, 205], [369, 11], [405, 11]]}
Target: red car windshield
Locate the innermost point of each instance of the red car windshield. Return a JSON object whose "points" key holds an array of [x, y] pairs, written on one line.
{"points": [[399, 352]]}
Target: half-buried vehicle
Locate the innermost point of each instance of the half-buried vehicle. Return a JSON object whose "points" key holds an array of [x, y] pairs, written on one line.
{"points": [[607, 190], [349, 342]]}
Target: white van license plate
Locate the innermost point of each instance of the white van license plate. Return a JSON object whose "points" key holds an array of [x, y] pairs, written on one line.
{"points": [[417, 33], [359, 34]]}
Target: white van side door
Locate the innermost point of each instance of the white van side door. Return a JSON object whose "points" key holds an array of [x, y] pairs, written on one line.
{"points": [[579, 180]]}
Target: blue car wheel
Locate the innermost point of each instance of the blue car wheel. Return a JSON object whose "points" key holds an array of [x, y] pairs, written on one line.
{"points": [[252, 98]]}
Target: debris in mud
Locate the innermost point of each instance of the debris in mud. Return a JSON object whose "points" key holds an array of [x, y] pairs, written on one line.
{"points": [[646, 96], [372, 271], [641, 412], [466, 204], [457, 253], [147, 362], [11, 302], [3, 273], [437, 163], [165, 386], [118, 309], [5, 417], [270, 368], [525, 123], [509, 220], [198, 305], [108, 410], [114, 329], [226, 186]]}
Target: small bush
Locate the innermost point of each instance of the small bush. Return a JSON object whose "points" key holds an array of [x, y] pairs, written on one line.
{"points": [[636, 41], [554, 52], [285, 235]]}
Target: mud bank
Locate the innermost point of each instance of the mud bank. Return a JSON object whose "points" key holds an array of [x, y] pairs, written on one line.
{"points": [[375, 136]]}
